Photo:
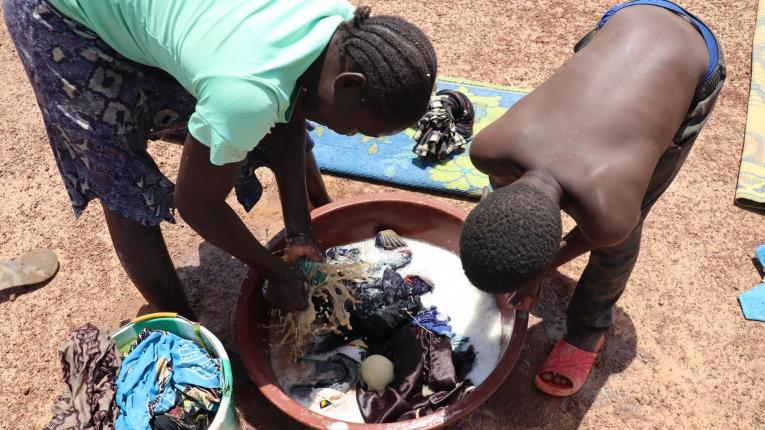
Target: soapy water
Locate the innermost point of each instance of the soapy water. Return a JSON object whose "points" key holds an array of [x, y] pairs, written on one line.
{"points": [[471, 312]]}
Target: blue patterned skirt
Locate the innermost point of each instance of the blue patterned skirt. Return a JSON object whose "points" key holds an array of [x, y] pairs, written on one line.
{"points": [[100, 109]]}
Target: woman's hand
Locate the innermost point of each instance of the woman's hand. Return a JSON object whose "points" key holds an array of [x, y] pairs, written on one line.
{"points": [[288, 291], [304, 245]]}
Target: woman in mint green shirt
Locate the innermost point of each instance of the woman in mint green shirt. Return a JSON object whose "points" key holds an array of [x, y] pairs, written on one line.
{"points": [[242, 76]]}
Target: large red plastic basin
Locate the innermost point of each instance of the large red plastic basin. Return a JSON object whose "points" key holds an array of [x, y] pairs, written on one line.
{"points": [[352, 220]]}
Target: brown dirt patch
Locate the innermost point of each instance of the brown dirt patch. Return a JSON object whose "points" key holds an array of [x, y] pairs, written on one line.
{"points": [[680, 355]]}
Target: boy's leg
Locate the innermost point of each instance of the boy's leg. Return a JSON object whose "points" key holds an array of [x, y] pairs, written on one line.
{"points": [[608, 270], [317, 191], [600, 286], [144, 256]]}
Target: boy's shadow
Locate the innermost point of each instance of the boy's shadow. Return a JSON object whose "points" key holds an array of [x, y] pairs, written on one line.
{"points": [[519, 404]]}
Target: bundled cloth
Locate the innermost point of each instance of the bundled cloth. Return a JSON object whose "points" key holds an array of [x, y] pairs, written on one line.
{"points": [[90, 364], [446, 127]]}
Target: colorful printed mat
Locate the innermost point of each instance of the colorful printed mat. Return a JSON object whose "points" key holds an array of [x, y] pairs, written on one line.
{"points": [[750, 191], [391, 160]]}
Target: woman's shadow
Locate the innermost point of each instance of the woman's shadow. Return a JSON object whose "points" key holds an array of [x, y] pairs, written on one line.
{"points": [[213, 288], [519, 404]]}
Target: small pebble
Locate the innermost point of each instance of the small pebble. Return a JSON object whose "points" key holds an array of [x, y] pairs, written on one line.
{"points": [[26, 391], [12, 298]]}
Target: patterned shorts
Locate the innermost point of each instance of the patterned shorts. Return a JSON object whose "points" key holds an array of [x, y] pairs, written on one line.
{"points": [[100, 109]]}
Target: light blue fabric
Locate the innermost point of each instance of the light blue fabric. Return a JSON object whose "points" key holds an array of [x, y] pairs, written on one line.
{"points": [[760, 253], [139, 392], [753, 303], [459, 343]]}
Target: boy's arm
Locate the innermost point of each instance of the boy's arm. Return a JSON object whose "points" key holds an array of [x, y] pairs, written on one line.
{"points": [[573, 245]]}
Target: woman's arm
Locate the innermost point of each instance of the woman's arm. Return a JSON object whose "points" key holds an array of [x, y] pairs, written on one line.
{"points": [[285, 150], [200, 196], [317, 190]]}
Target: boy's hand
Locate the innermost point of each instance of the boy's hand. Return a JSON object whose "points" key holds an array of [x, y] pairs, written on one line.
{"points": [[288, 292], [304, 245], [523, 302], [525, 299], [485, 193]]}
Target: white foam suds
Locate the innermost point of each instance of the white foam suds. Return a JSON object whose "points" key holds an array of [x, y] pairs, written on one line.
{"points": [[473, 313]]}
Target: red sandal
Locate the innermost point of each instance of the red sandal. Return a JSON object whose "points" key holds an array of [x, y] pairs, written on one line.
{"points": [[570, 362]]}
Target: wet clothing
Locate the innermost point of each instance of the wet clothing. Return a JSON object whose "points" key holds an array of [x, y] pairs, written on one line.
{"points": [[428, 377], [338, 372], [99, 109], [90, 363], [386, 305], [389, 320], [393, 260], [343, 255], [432, 321], [240, 59], [608, 270], [334, 404], [328, 381]]}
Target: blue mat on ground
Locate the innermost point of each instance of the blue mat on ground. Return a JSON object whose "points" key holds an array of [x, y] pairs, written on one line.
{"points": [[390, 159]]}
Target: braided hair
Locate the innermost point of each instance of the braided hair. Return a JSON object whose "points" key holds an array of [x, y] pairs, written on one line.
{"points": [[397, 59]]}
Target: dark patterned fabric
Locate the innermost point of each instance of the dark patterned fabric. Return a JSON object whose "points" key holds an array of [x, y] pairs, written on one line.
{"points": [[90, 364], [99, 109], [446, 127]]}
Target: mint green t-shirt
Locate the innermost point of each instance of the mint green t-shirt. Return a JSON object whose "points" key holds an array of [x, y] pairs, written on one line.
{"points": [[241, 59]]}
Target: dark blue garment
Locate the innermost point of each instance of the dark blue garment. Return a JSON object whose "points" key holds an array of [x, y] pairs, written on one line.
{"points": [[709, 38], [343, 255], [430, 321]]}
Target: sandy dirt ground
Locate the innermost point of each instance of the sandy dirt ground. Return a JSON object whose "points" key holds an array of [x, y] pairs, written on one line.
{"points": [[679, 355]]}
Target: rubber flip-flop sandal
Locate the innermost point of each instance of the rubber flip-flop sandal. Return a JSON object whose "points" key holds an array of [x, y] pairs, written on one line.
{"points": [[570, 362], [31, 268]]}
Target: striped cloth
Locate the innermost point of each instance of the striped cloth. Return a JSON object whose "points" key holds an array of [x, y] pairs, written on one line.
{"points": [[750, 191]]}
